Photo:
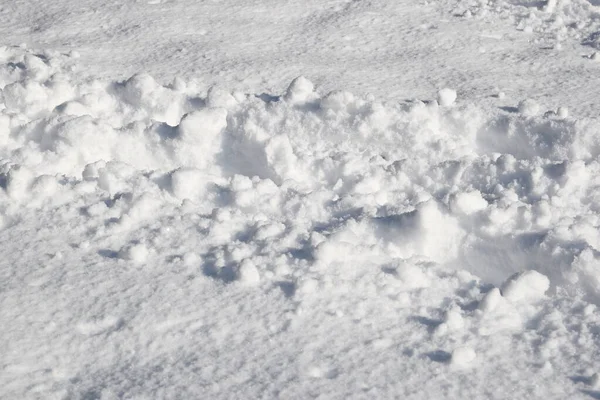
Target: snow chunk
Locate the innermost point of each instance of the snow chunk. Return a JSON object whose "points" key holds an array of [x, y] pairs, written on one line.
{"points": [[247, 273], [203, 126], [468, 202], [280, 156], [594, 380], [187, 183], [463, 356], [44, 186], [18, 182], [446, 97], [91, 171], [562, 112], [199, 134], [453, 322], [28, 97], [525, 286], [413, 276], [491, 300], [136, 253], [550, 6], [36, 68], [300, 91], [337, 101], [529, 108], [143, 207], [139, 88], [218, 97], [438, 234]]}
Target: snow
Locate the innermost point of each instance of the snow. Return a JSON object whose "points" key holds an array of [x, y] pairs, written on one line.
{"points": [[525, 286], [446, 97], [529, 107], [562, 112], [272, 200], [463, 356]]}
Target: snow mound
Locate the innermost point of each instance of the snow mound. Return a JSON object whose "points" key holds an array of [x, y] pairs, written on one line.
{"points": [[320, 179]]}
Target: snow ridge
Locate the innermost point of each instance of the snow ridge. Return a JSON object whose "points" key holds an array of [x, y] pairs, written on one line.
{"points": [[327, 208]]}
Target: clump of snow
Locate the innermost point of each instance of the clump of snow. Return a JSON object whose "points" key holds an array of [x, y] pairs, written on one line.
{"points": [[140, 90], [337, 101], [218, 97], [188, 183], [412, 276], [438, 234], [300, 91], [526, 286], [248, 273], [550, 6], [594, 380], [136, 253], [91, 171], [491, 300], [529, 108], [562, 112], [468, 202], [18, 181], [446, 97], [463, 356], [453, 322]]}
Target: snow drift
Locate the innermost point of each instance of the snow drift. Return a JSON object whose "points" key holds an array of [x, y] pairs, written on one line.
{"points": [[495, 194], [305, 192]]}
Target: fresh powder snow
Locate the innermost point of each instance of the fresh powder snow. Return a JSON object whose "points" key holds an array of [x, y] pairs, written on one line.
{"points": [[290, 200]]}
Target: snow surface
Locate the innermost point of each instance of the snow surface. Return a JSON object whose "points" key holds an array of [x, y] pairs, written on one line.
{"points": [[325, 199]]}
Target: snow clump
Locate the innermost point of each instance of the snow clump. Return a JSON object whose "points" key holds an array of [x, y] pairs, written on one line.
{"points": [[526, 286], [446, 97], [529, 108]]}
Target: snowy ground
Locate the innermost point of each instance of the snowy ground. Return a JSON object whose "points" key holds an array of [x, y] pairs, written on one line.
{"points": [[318, 199]]}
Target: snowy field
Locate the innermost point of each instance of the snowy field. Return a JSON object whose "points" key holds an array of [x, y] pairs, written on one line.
{"points": [[276, 199]]}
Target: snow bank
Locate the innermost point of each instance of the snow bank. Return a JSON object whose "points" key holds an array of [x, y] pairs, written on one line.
{"points": [[329, 179]]}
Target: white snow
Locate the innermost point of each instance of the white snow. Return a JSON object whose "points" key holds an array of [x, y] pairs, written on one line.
{"points": [[300, 91], [446, 97], [248, 274], [490, 301], [562, 112], [463, 356], [274, 200], [524, 286], [468, 202], [529, 107]]}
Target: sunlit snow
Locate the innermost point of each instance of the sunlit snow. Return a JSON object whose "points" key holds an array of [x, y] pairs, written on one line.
{"points": [[290, 200]]}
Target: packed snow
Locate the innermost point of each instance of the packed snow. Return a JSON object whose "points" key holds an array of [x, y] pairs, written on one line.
{"points": [[174, 234]]}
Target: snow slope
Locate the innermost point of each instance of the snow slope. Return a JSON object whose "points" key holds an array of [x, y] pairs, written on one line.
{"points": [[426, 233]]}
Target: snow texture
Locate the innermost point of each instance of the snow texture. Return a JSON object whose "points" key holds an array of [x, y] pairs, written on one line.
{"points": [[217, 233]]}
